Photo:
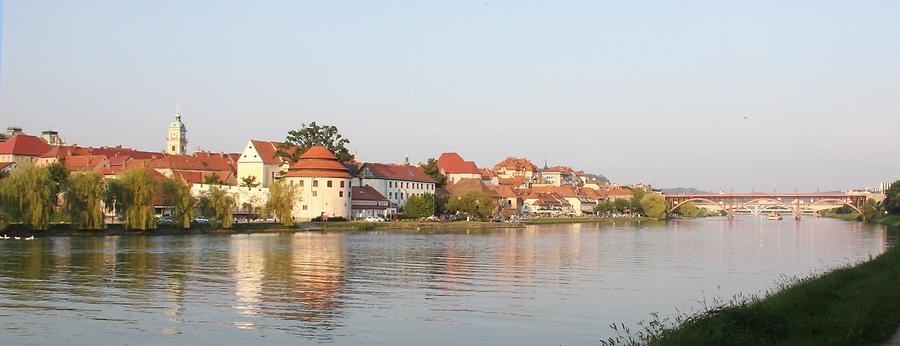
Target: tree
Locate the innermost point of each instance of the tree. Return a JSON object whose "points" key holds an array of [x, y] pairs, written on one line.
{"points": [[869, 209], [219, 205], [212, 179], [689, 210], [58, 174], [28, 196], [280, 203], [131, 194], [621, 204], [605, 207], [419, 206], [84, 200], [249, 181], [431, 168], [891, 202], [654, 205], [298, 141], [176, 193], [475, 204], [636, 197]]}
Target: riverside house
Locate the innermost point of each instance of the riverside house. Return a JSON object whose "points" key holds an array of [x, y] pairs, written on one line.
{"points": [[396, 182]]}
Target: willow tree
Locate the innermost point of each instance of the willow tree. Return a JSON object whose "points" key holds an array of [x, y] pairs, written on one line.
{"points": [[177, 193], [131, 194], [474, 203], [219, 205], [281, 201], [654, 205], [29, 197], [84, 200]]}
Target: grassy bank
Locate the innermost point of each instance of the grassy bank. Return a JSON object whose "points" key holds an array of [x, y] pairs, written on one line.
{"points": [[887, 220], [413, 225], [848, 306], [848, 217], [62, 229], [556, 220]]}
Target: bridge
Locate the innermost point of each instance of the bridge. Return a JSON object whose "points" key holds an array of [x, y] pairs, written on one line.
{"points": [[797, 204]]}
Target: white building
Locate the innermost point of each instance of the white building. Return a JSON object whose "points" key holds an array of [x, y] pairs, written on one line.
{"points": [[259, 159], [396, 182], [324, 185]]}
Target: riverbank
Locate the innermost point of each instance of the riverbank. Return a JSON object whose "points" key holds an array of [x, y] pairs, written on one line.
{"points": [[887, 220], [563, 220], [412, 225], [848, 306]]}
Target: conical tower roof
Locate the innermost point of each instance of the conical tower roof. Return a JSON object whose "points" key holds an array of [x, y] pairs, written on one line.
{"points": [[317, 162]]}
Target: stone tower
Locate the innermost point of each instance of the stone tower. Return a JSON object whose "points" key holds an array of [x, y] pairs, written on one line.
{"points": [[176, 144]]}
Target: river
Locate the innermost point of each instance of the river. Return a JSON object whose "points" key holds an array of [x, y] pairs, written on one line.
{"points": [[541, 285]]}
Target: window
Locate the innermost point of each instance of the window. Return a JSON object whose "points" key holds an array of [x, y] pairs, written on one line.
{"points": [[340, 193], [328, 183], [301, 183], [315, 193], [304, 207], [390, 195], [342, 184], [315, 183]]}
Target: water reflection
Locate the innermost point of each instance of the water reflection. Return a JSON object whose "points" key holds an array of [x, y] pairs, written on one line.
{"points": [[538, 285]]}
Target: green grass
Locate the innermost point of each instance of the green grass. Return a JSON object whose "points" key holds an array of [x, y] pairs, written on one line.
{"points": [[362, 225], [848, 306], [556, 220], [848, 217], [887, 220]]}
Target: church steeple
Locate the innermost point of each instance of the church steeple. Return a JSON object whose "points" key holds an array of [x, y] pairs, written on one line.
{"points": [[176, 143]]}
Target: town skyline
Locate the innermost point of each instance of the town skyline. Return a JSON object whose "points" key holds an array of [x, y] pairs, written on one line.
{"points": [[603, 94]]}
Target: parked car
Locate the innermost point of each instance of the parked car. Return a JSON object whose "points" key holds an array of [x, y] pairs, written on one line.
{"points": [[165, 220], [200, 220], [374, 219], [497, 218], [432, 218]]}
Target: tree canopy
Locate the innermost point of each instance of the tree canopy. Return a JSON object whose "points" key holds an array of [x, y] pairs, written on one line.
{"points": [[218, 205], [280, 202], [474, 204], [891, 202], [419, 206], [654, 205], [131, 194], [249, 181], [431, 168], [28, 196], [689, 210], [313, 134], [176, 193], [83, 198]]}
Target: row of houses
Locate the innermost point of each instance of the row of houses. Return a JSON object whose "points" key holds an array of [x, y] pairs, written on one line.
{"points": [[326, 186]]}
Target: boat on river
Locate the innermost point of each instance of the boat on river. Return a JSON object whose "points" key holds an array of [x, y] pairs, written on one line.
{"points": [[774, 216]]}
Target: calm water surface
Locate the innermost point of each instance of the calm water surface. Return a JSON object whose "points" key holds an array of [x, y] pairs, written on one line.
{"points": [[542, 285]]}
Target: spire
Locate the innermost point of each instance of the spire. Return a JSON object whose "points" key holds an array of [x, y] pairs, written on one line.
{"points": [[178, 111]]}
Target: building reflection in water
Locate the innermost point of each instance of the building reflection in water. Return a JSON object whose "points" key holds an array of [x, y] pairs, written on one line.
{"points": [[299, 277]]}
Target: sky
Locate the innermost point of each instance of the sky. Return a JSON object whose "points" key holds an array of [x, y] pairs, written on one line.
{"points": [[736, 96]]}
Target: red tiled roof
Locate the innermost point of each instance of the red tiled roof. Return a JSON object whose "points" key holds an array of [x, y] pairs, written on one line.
{"points": [[24, 145], [266, 151], [85, 163], [189, 163], [118, 160], [503, 191], [123, 151], [514, 181], [397, 172], [366, 193], [515, 164], [197, 177], [452, 163], [318, 161], [563, 191], [619, 192]]}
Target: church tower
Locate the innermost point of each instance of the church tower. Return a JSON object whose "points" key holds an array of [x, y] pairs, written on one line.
{"points": [[176, 144]]}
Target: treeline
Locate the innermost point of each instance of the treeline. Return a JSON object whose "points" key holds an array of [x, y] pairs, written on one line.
{"points": [[641, 203], [32, 196], [473, 204]]}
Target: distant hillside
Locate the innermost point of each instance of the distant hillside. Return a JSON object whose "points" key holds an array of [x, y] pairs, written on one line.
{"points": [[684, 191]]}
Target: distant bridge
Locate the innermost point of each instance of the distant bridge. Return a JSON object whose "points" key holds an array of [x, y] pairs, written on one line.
{"points": [[794, 203]]}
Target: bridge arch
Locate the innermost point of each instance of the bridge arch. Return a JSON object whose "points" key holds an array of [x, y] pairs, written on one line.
{"points": [[679, 204], [757, 200], [844, 202]]}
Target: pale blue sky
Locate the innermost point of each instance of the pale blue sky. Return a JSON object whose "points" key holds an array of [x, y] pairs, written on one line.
{"points": [[639, 91]]}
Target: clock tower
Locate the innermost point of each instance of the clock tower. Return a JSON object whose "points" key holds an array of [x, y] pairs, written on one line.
{"points": [[176, 143]]}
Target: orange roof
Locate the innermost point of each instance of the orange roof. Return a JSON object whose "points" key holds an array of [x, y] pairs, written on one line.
{"points": [[24, 145], [464, 186], [318, 161], [86, 163], [619, 192], [503, 191], [563, 191], [197, 177], [514, 181], [515, 164], [452, 163]]}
